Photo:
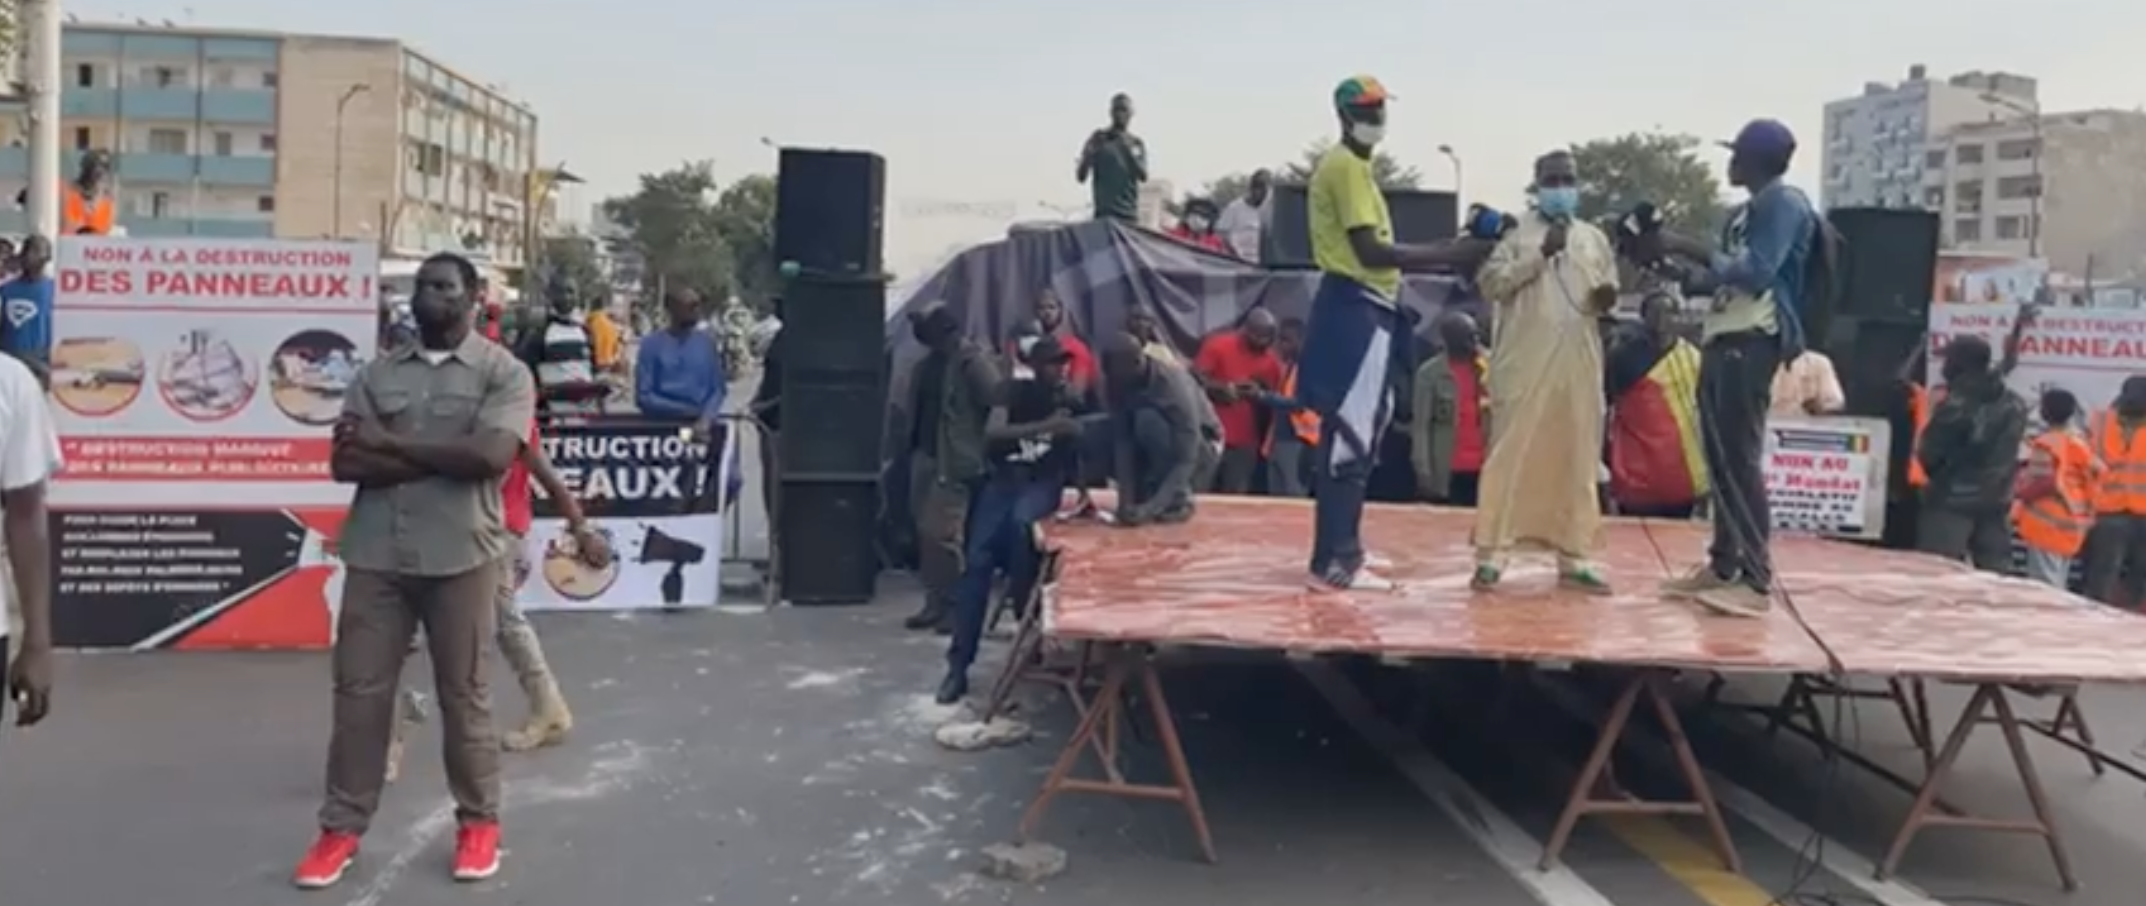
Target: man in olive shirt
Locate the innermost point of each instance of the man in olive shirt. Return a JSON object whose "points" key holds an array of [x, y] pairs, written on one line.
{"points": [[1167, 437], [1114, 163], [427, 432]]}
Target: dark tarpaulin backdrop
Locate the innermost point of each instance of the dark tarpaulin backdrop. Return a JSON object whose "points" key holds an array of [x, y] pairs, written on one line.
{"points": [[1100, 269]]}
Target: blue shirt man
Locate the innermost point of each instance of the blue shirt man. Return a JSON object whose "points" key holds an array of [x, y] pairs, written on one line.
{"points": [[678, 374], [26, 309], [1760, 280]]}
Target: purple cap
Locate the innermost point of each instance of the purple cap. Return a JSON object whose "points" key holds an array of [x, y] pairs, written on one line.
{"points": [[1764, 138]]}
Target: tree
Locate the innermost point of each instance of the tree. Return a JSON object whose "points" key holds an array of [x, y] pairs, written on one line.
{"points": [[571, 260], [745, 219], [1390, 173], [672, 221], [1619, 172]]}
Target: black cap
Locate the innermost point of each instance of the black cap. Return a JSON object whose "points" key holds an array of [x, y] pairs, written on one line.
{"points": [[1046, 348]]}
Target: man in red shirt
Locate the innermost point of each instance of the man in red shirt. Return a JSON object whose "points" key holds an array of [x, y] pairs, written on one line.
{"points": [[1449, 431], [1080, 361], [1235, 366]]}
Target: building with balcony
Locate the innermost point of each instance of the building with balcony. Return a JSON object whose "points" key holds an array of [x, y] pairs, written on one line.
{"points": [[1876, 143], [2068, 187], [218, 132]]}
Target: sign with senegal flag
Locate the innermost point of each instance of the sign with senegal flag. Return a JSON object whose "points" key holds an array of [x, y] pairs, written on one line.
{"points": [[1825, 475]]}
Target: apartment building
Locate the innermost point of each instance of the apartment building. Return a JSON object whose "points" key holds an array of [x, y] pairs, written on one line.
{"points": [[219, 132], [2068, 187], [1876, 143]]}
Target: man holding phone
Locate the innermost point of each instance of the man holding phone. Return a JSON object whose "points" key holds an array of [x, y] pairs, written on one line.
{"points": [[1114, 163], [1030, 442], [1235, 367]]}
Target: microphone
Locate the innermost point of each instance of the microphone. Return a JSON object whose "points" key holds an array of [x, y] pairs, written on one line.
{"points": [[1484, 222]]}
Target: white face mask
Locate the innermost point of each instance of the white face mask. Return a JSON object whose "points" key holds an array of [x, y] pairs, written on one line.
{"points": [[1367, 134]]}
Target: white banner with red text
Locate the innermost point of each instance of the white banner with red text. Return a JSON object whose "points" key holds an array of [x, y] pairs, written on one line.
{"points": [[2086, 351], [195, 383]]}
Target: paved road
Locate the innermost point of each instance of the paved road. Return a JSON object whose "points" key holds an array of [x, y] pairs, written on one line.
{"points": [[784, 757]]}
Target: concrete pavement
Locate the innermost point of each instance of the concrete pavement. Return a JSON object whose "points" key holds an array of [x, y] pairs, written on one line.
{"points": [[786, 757]]}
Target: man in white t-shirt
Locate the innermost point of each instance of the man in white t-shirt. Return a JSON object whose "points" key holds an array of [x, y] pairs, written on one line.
{"points": [[29, 455], [1808, 386], [1244, 222]]}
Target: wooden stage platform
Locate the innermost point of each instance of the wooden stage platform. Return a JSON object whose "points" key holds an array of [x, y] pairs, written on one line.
{"points": [[1234, 577]]}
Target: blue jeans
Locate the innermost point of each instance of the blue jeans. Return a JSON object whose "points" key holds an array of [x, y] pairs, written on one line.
{"points": [[999, 539]]}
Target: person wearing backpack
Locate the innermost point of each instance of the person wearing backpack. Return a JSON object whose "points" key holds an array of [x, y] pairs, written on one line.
{"points": [[1773, 264]]}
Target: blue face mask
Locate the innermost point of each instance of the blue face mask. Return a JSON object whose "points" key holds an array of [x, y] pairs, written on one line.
{"points": [[1558, 201]]}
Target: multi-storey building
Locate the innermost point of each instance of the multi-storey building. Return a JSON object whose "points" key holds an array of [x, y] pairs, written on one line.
{"points": [[2068, 187], [1876, 143], [219, 132]]}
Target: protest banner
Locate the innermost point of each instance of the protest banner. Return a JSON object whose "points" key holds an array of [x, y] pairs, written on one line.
{"points": [[1826, 475], [194, 385], [656, 495], [2086, 351]]}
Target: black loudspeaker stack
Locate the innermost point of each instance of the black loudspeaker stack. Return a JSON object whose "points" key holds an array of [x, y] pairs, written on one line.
{"points": [[1886, 279], [829, 217], [1418, 216]]}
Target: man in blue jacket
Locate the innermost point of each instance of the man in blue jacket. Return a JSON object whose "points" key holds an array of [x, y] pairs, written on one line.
{"points": [[1760, 277], [678, 374]]}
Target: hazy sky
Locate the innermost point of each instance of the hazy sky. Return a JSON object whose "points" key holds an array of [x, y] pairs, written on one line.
{"points": [[987, 102]]}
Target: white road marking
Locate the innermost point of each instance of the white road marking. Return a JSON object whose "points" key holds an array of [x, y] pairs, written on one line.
{"points": [[1505, 842]]}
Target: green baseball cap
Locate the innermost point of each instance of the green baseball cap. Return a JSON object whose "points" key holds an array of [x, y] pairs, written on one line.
{"points": [[1360, 91]]}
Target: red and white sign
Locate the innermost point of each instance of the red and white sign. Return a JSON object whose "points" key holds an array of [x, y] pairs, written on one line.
{"points": [[2086, 351], [195, 383]]}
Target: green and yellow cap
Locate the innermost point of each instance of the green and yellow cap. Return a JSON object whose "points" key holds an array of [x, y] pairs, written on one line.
{"points": [[1360, 91]]}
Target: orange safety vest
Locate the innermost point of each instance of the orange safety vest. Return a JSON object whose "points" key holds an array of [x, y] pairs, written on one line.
{"points": [[2122, 488], [80, 215], [1304, 422], [2057, 524], [1919, 403]]}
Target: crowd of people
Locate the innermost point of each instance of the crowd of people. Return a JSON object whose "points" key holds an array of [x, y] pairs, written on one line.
{"points": [[1546, 418]]}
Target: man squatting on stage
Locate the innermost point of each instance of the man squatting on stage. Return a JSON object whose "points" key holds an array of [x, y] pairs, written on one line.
{"points": [[1351, 337]]}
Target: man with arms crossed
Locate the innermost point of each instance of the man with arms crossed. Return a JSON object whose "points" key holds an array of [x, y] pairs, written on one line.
{"points": [[29, 455], [1348, 344], [428, 432]]}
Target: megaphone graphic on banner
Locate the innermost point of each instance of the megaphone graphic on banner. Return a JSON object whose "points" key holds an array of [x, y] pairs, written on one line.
{"points": [[659, 546]]}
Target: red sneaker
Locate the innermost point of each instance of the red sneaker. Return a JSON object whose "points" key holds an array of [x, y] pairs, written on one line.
{"points": [[477, 851], [325, 863]]}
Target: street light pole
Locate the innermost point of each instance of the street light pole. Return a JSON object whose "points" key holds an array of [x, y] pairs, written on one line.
{"points": [[342, 105], [1448, 151], [37, 26]]}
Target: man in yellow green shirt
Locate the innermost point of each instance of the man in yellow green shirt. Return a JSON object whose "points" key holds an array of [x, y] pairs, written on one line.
{"points": [[1345, 373]]}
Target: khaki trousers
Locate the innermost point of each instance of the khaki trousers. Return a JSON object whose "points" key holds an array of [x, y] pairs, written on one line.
{"points": [[381, 614]]}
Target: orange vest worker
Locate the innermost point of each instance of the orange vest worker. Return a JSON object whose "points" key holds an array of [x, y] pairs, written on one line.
{"points": [[1919, 403], [2122, 488], [1303, 422], [2057, 524], [83, 215]]}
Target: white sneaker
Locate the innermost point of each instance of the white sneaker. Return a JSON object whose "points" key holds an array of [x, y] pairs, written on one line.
{"points": [[1374, 561], [1360, 580]]}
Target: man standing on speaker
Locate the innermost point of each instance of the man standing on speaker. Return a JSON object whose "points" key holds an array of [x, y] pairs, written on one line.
{"points": [[1114, 164], [1760, 279], [1345, 374], [950, 395]]}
